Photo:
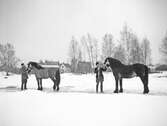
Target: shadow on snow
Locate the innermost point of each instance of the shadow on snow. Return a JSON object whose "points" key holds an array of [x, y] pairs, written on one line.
{"points": [[72, 89]]}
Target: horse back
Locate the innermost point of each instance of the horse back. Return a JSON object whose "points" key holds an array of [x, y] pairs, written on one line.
{"points": [[42, 73], [48, 73], [129, 71]]}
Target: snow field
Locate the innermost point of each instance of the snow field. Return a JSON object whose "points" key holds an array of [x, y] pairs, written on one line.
{"points": [[77, 104]]}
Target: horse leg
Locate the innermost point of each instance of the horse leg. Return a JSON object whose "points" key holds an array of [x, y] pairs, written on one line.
{"points": [[41, 84], [116, 86], [54, 83], [57, 79], [121, 88], [57, 84], [146, 80], [54, 86], [145, 84], [38, 84]]}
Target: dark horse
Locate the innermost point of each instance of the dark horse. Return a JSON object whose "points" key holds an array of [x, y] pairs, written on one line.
{"points": [[45, 73], [121, 71]]}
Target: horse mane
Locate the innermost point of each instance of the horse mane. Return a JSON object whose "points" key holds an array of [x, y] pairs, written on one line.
{"points": [[36, 65], [115, 62]]}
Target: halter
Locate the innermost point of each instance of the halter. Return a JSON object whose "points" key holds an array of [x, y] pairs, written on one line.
{"points": [[29, 69], [107, 63]]}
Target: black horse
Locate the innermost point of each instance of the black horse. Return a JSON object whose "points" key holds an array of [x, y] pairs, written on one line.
{"points": [[121, 71], [45, 73]]}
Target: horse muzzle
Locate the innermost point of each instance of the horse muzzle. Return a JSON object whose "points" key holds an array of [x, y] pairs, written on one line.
{"points": [[106, 63], [29, 70]]}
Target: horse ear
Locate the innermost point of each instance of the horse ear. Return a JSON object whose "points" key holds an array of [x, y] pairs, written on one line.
{"points": [[29, 65], [106, 60]]}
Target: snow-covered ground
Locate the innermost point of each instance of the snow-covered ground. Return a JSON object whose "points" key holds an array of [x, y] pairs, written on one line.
{"points": [[77, 104]]}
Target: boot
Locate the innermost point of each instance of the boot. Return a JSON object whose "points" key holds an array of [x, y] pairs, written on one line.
{"points": [[22, 86], [101, 87], [97, 85]]}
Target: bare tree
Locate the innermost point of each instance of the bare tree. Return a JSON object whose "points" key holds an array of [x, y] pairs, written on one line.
{"points": [[91, 47], [163, 47], [126, 40], [7, 57], [80, 57], [119, 53], [135, 53], [73, 54], [146, 51], [135, 50], [95, 50], [86, 48], [107, 46]]}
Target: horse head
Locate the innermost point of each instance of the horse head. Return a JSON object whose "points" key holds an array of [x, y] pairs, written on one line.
{"points": [[32, 65], [112, 63], [107, 62]]}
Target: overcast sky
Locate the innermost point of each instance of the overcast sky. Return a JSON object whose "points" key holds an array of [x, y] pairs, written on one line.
{"points": [[42, 29]]}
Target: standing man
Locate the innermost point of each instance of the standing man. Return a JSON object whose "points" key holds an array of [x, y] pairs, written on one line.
{"points": [[99, 76], [24, 76]]}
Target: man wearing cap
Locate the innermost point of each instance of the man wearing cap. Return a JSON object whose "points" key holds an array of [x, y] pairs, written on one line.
{"points": [[99, 76], [24, 76]]}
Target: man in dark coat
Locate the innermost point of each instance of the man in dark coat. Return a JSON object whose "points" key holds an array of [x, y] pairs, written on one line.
{"points": [[24, 76], [99, 76]]}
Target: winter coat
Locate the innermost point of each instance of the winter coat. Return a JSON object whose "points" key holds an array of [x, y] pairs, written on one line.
{"points": [[24, 73], [99, 73]]}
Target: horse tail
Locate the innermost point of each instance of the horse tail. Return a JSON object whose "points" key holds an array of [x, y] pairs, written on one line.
{"points": [[146, 74], [58, 77]]}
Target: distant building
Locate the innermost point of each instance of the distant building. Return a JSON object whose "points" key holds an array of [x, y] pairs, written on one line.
{"points": [[162, 67], [152, 69], [84, 67], [48, 62], [51, 66], [65, 68], [2, 68]]}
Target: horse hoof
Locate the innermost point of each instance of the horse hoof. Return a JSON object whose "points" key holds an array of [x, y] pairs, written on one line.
{"points": [[116, 91], [121, 91], [145, 92], [40, 89]]}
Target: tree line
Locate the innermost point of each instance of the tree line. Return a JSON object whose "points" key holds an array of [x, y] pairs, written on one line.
{"points": [[128, 48], [163, 48], [8, 59]]}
